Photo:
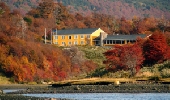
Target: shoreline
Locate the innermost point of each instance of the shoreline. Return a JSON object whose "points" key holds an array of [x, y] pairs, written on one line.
{"points": [[110, 88], [49, 89]]}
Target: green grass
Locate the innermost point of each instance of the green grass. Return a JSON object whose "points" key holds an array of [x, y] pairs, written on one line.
{"points": [[94, 53]]}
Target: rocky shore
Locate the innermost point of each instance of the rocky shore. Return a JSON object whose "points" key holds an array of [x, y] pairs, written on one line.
{"points": [[110, 88], [19, 97], [79, 88]]}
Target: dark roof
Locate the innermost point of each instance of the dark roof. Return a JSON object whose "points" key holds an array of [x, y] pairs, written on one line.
{"points": [[76, 31], [124, 37]]}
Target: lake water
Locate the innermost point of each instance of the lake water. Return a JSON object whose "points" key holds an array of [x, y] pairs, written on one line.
{"points": [[11, 90], [106, 96]]}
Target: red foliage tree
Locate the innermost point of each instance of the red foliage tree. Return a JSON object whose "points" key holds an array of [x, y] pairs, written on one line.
{"points": [[155, 48], [127, 57]]}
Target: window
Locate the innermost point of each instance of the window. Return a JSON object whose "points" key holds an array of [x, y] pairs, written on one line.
{"points": [[63, 43], [69, 37], [75, 43], [97, 43], [56, 37], [104, 42], [63, 37], [75, 36], [114, 41], [88, 36], [118, 41], [110, 42], [107, 41], [123, 42], [82, 42], [82, 36], [69, 43], [55, 42]]}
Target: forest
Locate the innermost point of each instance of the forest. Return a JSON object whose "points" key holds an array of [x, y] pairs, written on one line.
{"points": [[116, 8], [25, 58]]}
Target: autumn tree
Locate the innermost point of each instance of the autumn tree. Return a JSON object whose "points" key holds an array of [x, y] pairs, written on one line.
{"points": [[4, 10], [155, 48], [20, 58], [127, 57], [167, 35], [133, 58], [76, 57], [41, 17], [135, 25], [125, 26]]}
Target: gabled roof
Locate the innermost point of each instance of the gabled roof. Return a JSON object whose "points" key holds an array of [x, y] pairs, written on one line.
{"points": [[125, 37], [76, 31]]}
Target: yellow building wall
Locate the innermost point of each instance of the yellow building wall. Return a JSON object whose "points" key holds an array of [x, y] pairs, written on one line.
{"points": [[72, 40], [87, 41]]}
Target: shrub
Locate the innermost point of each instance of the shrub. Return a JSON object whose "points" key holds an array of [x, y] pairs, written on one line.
{"points": [[165, 73], [154, 78], [119, 74]]}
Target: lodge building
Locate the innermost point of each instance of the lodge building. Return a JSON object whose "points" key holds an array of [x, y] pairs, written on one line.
{"points": [[91, 36]]}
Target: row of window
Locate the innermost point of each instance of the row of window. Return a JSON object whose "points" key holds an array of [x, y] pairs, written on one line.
{"points": [[118, 41], [70, 37], [70, 43]]}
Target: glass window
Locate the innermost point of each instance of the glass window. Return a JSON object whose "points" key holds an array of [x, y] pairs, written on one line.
{"points": [[104, 41], [82, 42], [63, 37], [69, 37], [75, 43], [132, 41], [118, 42], [107, 41], [111, 42], [56, 37], [63, 43], [97, 42], [56, 43], [114, 41], [123, 42], [75, 36], [88, 36], [69, 43], [82, 36]]}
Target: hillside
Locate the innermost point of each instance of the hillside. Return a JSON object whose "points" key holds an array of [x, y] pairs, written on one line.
{"points": [[128, 8], [118, 8], [25, 58]]}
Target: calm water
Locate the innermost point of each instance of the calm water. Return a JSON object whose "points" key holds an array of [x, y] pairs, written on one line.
{"points": [[11, 90], [106, 96]]}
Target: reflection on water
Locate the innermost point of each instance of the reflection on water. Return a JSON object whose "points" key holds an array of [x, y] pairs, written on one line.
{"points": [[106, 96]]}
